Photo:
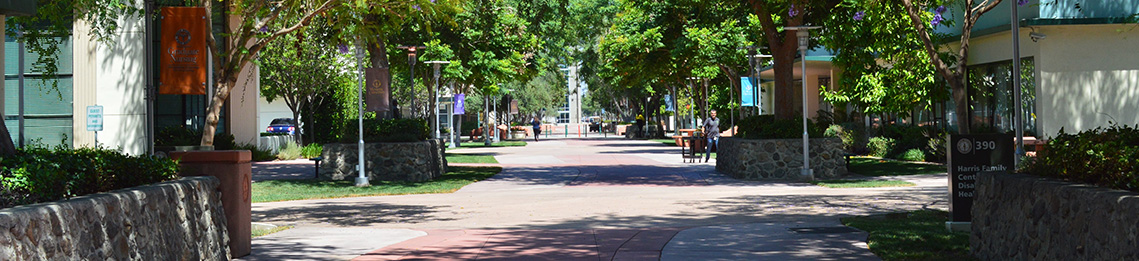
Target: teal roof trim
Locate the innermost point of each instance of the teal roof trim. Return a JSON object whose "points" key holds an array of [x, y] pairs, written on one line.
{"points": [[18, 7], [1046, 22]]}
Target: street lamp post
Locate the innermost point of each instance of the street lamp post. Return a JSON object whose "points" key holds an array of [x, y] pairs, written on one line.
{"points": [[803, 32], [361, 180], [435, 109], [411, 58], [755, 82], [1019, 115]]}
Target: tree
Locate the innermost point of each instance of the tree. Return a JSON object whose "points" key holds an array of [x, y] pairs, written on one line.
{"points": [[773, 16], [954, 76], [885, 68], [302, 73]]}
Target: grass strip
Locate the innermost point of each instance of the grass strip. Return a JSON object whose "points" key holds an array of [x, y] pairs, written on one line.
{"points": [[917, 235], [842, 183], [262, 232], [878, 168], [282, 190], [470, 158], [669, 142]]}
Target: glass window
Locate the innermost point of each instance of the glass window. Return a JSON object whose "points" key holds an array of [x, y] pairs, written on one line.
{"points": [[34, 111], [991, 93]]}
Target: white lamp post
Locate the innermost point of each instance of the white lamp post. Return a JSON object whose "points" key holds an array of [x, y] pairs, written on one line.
{"points": [[435, 109], [1019, 115], [361, 180], [804, 39]]}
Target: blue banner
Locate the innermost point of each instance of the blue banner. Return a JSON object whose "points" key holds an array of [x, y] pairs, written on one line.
{"points": [[668, 103], [747, 91], [460, 104]]}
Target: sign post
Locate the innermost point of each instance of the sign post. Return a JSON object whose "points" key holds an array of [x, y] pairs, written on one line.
{"points": [[969, 155], [95, 120]]}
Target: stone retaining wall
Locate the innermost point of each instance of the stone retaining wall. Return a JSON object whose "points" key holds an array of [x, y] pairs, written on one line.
{"points": [[406, 161], [173, 220], [1023, 217], [779, 158]]}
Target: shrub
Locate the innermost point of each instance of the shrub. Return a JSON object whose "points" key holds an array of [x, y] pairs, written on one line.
{"points": [[312, 151], [880, 146], [290, 151], [179, 136], [38, 174], [258, 154], [394, 130], [936, 147], [913, 155], [848, 136], [1107, 157], [767, 127]]}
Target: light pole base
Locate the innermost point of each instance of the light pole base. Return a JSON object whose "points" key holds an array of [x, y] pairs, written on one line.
{"points": [[362, 182], [807, 174]]}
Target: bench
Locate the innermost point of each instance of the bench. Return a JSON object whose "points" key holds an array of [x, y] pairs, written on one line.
{"points": [[688, 150], [316, 172]]}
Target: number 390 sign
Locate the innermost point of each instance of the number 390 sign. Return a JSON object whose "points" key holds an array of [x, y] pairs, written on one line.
{"points": [[969, 155]]}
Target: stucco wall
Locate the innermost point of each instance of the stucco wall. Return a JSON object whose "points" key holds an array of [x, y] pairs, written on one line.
{"points": [[111, 75], [174, 220]]}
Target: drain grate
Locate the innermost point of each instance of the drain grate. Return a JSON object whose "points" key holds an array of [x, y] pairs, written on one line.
{"points": [[823, 230]]}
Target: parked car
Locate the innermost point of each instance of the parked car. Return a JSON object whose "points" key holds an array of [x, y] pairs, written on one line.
{"points": [[282, 125], [594, 123]]}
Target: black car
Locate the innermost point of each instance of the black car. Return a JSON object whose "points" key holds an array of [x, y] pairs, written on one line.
{"points": [[282, 125]]}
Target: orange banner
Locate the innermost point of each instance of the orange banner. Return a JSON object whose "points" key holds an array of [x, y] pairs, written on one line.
{"points": [[182, 55]]}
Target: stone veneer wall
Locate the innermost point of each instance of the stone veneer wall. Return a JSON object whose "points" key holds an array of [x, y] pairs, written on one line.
{"points": [[407, 161], [1023, 217], [173, 220], [779, 158]]}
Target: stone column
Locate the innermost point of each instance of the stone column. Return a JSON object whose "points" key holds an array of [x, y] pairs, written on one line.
{"points": [[234, 170]]}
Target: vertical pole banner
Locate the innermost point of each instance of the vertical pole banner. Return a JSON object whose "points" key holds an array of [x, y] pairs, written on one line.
{"points": [[747, 91], [376, 93], [970, 154], [182, 58], [460, 104], [668, 103]]}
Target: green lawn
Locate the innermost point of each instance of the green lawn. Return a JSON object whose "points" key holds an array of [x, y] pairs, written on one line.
{"points": [[470, 158], [918, 235], [862, 183], [261, 232], [282, 190], [479, 144], [877, 168], [669, 142]]}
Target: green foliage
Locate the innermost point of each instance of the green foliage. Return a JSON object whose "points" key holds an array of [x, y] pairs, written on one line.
{"points": [[39, 174], [848, 136], [1104, 156], [767, 127], [880, 146], [470, 158], [912, 155], [312, 151], [180, 136], [290, 151], [918, 235], [258, 154], [394, 130]]}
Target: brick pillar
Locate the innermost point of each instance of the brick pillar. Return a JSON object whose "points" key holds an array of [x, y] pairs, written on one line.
{"points": [[233, 169]]}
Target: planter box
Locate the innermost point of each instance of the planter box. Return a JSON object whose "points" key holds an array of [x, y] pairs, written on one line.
{"points": [[1023, 217], [399, 161], [779, 158]]}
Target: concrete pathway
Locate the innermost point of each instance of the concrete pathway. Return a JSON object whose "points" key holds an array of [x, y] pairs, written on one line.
{"points": [[592, 199]]}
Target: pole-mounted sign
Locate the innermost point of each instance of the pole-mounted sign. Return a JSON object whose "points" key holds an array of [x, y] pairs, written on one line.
{"points": [[182, 58]]}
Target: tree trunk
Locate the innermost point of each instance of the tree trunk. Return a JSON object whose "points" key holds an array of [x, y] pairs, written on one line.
{"points": [[221, 93], [784, 96], [7, 148], [379, 59]]}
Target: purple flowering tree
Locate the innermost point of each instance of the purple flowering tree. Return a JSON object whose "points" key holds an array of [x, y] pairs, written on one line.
{"points": [[954, 76]]}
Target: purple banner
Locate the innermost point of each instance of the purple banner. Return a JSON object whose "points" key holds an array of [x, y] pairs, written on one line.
{"points": [[460, 104]]}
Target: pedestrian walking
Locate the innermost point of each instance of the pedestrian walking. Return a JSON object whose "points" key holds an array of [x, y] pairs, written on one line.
{"points": [[712, 134], [537, 127]]}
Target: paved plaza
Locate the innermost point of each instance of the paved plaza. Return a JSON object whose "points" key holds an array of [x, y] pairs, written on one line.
{"points": [[587, 199]]}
